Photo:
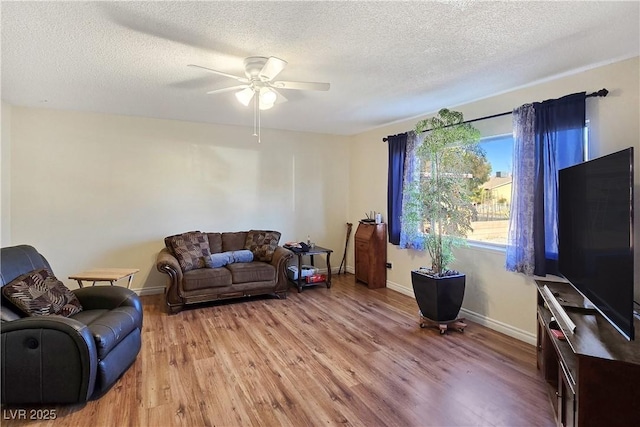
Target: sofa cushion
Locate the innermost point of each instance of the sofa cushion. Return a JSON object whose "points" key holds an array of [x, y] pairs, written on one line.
{"points": [[233, 241], [206, 278], [262, 243], [190, 249], [87, 316], [19, 260], [39, 293], [215, 242], [109, 327], [252, 272]]}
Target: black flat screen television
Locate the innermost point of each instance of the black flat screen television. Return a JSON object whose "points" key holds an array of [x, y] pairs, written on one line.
{"points": [[595, 234]]}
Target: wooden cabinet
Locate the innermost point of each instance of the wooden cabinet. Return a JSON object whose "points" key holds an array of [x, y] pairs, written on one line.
{"points": [[593, 374], [371, 254]]}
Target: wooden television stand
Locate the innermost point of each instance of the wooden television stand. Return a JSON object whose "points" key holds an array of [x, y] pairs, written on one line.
{"points": [[594, 373]]}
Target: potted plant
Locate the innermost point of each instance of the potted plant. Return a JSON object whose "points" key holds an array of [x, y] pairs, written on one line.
{"points": [[441, 206]]}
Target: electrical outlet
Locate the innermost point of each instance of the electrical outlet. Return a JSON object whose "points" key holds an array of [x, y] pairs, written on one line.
{"points": [[388, 265]]}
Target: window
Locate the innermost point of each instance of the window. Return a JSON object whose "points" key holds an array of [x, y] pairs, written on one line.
{"points": [[491, 225], [493, 199]]}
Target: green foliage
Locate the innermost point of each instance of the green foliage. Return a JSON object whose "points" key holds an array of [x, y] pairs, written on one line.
{"points": [[480, 168], [453, 167]]}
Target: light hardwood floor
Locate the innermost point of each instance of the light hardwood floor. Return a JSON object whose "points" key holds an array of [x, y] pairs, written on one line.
{"points": [[341, 356]]}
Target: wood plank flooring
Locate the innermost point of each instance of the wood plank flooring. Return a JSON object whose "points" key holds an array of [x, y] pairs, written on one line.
{"points": [[341, 356]]}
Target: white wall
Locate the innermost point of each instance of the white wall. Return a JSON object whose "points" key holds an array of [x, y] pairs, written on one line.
{"points": [[5, 175], [500, 299], [93, 190]]}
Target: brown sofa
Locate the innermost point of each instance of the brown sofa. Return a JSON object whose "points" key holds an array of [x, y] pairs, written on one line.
{"points": [[195, 282]]}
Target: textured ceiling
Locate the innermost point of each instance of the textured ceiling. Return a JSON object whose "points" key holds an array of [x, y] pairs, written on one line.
{"points": [[386, 61]]}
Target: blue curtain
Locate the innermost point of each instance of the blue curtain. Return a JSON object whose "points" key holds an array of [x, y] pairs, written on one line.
{"points": [[411, 236], [520, 250], [397, 153], [551, 132], [559, 135]]}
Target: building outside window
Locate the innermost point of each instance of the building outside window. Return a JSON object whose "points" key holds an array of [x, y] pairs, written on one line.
{"points": [[491, 220]]}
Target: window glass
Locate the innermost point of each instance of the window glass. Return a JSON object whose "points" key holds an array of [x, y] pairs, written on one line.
{"points": [[493, 202], [493, 198]]}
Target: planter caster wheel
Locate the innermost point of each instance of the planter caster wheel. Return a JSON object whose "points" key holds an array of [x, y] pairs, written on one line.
{"points": [[457, 324]]}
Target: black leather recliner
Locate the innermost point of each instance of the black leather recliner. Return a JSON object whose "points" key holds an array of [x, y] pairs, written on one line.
{"points": [[55, 359]]}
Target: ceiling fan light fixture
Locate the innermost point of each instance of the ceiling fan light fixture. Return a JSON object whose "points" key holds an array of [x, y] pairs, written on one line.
{"points": [[265, 106], [267, 98], [244, 96]]}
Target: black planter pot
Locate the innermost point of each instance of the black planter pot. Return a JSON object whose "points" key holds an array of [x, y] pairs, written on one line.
{"points": [[439, 298]]}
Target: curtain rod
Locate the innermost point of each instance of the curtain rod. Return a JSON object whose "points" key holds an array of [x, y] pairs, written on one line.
{"points": [[600, 93]]}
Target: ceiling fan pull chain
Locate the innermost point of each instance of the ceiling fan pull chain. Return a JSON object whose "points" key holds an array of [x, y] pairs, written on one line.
{"points": [[255, 115], [258, 110]]}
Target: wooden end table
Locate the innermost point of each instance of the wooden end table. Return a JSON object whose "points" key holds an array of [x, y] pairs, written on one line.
{"points": [[110, 275], [316, 250]]}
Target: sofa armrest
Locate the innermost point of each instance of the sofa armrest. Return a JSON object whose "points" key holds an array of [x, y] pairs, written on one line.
{"points": [[280, 259], [47, 359], [168, 264], [281, 256]]}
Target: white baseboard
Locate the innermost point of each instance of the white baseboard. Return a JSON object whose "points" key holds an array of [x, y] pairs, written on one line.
{"points": [[501, 327], [398, 288], [481, 319], [149, 291]]}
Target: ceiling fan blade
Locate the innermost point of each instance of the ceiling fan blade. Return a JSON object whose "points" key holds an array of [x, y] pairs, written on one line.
{"points": [[272, 68], [301, 85], [226, 89], [240, 79]]}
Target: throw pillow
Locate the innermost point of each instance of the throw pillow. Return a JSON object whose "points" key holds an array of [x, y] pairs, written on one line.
{"points": [[221, 259], [190, 249], [262, 243], [39, 293], [244, 255], [218, 260]]}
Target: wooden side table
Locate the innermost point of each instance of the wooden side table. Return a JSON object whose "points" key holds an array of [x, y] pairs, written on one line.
{"points": [[110, 275]]}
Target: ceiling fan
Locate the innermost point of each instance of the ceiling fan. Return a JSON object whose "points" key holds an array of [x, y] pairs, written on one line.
{"points": [[258, 81], [258, 84]]}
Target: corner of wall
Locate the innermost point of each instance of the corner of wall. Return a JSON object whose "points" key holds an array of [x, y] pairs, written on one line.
{"points": [[5, 174]]}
